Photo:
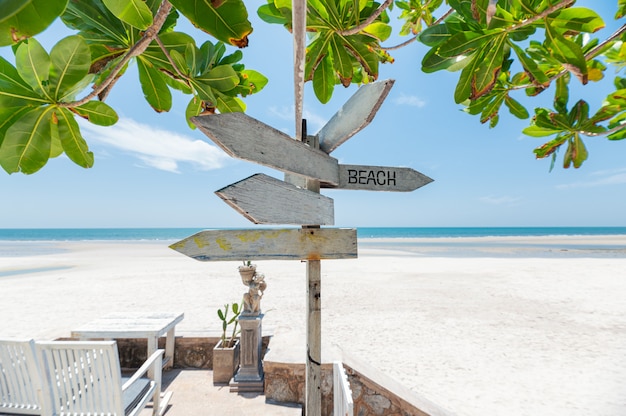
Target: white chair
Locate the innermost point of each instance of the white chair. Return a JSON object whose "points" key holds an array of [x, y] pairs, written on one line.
{"points": [[20, 380], [84, 377]]}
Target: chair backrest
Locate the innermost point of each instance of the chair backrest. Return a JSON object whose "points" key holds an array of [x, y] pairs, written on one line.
{"points": [[84, 377], [20, 380]]}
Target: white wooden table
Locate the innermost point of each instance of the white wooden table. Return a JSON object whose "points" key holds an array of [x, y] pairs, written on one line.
{"points": [[149, 325]]}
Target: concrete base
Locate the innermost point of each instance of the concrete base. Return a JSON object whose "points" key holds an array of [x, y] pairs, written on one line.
{"points": [[247, 386]]}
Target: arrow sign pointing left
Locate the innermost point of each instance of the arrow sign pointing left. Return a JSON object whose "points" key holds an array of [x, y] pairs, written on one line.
{"points": [[285, 244], [266, 200], [246, 138]]}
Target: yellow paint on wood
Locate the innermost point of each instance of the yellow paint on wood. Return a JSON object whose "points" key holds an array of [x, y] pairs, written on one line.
{"points": [[224, 244]]}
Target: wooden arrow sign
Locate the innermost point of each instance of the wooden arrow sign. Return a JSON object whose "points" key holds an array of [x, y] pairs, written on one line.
{"points": [[266, 200], [354, 115], [286, 244], [246, 138], [379, 178]]}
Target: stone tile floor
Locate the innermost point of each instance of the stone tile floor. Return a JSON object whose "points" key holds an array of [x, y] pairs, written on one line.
{"points": [[195, 395]]}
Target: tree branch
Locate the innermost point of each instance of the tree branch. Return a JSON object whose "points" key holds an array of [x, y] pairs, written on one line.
{"points": [[366, 22], [169, 58], [604, 133], [414, 38], [549, 10], [137, 49]]}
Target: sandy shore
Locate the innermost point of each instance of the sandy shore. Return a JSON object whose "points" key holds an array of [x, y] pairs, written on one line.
{"points": [[532, 326]]}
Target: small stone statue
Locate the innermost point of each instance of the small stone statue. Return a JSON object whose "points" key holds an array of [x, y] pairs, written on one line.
{"points": [[252, 299]]}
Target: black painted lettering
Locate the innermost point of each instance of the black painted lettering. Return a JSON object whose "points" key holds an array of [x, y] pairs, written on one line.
{"points": [[371, 177], [391, 177], [379, 181], [362, 177], [352, 176]]}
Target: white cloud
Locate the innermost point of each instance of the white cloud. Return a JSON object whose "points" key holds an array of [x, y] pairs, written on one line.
{"points": [[500, 200], [600, 178], [410, 100], [157, 148]]}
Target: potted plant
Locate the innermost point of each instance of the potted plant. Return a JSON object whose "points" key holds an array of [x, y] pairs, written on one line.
{"points": [[226, 352], [247, 272]]}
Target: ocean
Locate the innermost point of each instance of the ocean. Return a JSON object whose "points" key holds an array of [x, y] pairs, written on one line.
{"points": [[168, 234]]}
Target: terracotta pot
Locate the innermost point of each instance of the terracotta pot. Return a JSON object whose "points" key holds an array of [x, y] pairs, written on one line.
{"points": [[225, 363]]}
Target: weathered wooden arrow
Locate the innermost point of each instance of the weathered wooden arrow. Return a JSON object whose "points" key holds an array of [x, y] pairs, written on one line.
{"points": [[246, 138], [379, 178], [266, 200], [354, 115], [269, 244]]}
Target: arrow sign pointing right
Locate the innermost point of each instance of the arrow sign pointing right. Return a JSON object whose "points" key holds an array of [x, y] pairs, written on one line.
{"points": [[379, 178], [246, 138], [354, 115], [266, 200]]}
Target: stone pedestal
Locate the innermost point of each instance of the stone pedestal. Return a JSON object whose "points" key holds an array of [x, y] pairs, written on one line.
{"points": [[250, 376]]}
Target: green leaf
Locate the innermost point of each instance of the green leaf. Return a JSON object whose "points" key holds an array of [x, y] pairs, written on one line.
{"points": [[537, 76], [270, 14], [464, 42], [550, 147], [154, 87], [579, 113], [536, 131], [8, 8], [361, 48], [567, 52], [324, 81], [561, 95], [253, 81], [226, 104], [91, 18], [73, 143], [434, 35], [490, 112], [26, 145], [134, 12], [97, 112], [8, 116], [433, 62], [515, 108], [33, 65], [222, 78], [193, 109], [70, 61], [578, 19], [618, 135], [379, 30], [341, 62], [576, 153], [463, 88], [488, 67], [315, 51], [226, 20], [29, 19], [14, 92], [204, 91]]}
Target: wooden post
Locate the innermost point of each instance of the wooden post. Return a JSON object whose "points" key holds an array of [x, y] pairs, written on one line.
{"points": [[313, 394]]}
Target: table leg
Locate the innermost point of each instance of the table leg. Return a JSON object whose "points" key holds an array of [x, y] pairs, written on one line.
{"points": [[153, 343], [169, 349]]}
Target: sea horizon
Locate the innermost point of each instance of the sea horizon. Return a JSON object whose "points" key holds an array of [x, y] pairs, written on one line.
{"points": [[176, 233]]}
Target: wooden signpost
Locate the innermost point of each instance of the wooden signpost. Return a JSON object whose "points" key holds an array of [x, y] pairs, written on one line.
{"points": [[270, 244], [266, 200]]}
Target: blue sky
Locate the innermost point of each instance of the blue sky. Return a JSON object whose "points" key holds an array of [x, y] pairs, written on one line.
{"points": [[151, 170]]}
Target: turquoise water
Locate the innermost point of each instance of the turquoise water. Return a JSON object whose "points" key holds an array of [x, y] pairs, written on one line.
{"points": [[156, 234]]}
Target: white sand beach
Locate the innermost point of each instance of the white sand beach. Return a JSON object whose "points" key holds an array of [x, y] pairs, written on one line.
{"points": [[504, 329]]}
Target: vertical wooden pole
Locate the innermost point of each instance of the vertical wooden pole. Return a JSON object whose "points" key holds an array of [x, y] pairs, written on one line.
{"points": [[313, 393]]}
